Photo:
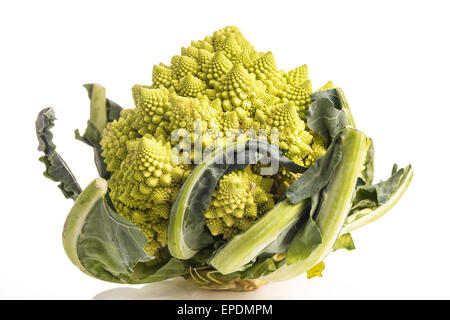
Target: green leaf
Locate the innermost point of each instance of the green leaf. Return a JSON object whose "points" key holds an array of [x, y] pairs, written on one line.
{"points": [[56, 168], [109, 246], [304, 242], [317, 176], [374, 195], [167, 270], [186, 233], [281, 242], [394, 169], [103, 111], [344, 242], [364, 199], [332, 209], [308, 235], [202, 257], [105, 245], [259, 269], [372, 202], [326, 115]]}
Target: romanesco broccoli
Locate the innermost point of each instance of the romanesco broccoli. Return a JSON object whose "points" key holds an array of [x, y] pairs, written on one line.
{"points": [[224, 84], [166, 203]]}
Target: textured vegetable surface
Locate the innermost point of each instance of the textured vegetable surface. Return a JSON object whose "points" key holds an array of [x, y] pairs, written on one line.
{"points": [[245, 247], [98, 240], [228, 171], [195, 196]]}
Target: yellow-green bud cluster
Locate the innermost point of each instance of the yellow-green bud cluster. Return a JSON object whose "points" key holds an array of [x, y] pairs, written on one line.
{"points": [[239, 198], [144, 187]]}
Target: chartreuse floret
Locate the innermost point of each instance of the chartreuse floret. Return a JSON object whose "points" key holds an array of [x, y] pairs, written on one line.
{"points": [[162, 75], [237, 201], [115, 138], [144, 186], [216, 67], [297, 75]]}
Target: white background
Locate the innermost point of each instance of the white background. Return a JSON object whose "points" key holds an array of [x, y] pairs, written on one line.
{"points": [[390, 57]]}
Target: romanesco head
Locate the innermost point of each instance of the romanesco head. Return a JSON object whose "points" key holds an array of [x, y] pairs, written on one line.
{"points": [[221, 83]]}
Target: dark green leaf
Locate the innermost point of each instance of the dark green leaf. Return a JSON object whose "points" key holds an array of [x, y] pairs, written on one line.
{"points": [[56, 168], [317, 176], [316, 238], [372, 202], [364, 199], [325, 115], [170, 269], [304, 242], [328, 117], [202, 257], [308, 235], [109, 246], [394, 169], [310, 185], [375, 195], [259, 269], [282, 241]]}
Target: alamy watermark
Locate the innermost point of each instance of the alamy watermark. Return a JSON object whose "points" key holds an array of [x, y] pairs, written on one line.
{"points": [[193, 147]]}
